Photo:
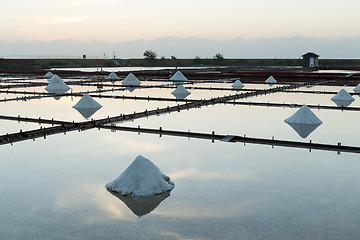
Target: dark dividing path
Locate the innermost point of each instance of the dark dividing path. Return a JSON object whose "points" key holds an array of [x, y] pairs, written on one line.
{"points": [[64, 126], [44, 132], [283, 105], [233, 138], [71, 126]]}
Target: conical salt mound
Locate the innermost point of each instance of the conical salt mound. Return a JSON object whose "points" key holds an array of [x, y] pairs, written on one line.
{"points": [[141, 178], [237, 85], [113, 77], [55, 76], [57, 85], [48, 75], [342, 98], [178, 76], [181, 92], [87, 106], [131, 80], [270, 80], [1, 78], [357, 89], [304, 121]]}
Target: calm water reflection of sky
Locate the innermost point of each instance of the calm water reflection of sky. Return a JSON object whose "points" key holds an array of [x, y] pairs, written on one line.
{"points": [[54, 188]]}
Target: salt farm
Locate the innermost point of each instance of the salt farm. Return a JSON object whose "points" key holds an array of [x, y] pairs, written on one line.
{"points": [[221, 153]]}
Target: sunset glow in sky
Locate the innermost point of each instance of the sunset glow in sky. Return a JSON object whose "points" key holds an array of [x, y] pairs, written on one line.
{"points": [[127, 20]]}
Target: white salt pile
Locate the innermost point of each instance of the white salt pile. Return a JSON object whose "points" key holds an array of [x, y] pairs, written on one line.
{"points": [[141, 178], [181, 92], [237, 85], [342, 98], [87, 106], [131, 80], [113, 77], [54, 77], [270, 80], [48, 75], [357, 88], [57, 86], [303, 121], [179, 77]]}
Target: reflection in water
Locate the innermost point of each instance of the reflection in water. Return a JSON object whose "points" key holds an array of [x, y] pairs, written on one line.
{"points": [[87, 106], [87, 112], [304, 121], [131, 80], [237, 85], [270, 80], [342, 98], [113, 77], [57, 86], [142, 205], [181, 92], [357, 89]]}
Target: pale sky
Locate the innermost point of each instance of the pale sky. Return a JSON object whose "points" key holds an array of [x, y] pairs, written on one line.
{"points": [[128, 20]]}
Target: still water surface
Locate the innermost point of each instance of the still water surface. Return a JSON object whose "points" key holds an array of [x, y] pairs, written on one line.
{"points": [[54, 188]]}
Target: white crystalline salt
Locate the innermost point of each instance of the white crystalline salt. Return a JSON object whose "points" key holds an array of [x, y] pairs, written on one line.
{"points": [[342, 98], [357, 88], [237, 84], [48, 75], [270, 80], [141, 178], [178, 76], [304, 121], [181, 92], [57, 85], [87, 106], [54, 77], [112, 76], [131, 80]]}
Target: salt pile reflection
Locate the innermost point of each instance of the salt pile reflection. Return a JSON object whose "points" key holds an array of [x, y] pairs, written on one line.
{"points": [[87, 106], [142, 186], [181, 92], [342, 98], [304, 121], [142, 205], [237, 85]]}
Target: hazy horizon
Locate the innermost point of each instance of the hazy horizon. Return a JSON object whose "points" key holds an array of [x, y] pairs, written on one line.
{"points": [[237, 29], [292, 47]]}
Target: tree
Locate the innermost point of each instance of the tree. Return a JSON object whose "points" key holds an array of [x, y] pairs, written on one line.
{"points": [[218, 56], [173, 57], [197, 60], [149, 54]]}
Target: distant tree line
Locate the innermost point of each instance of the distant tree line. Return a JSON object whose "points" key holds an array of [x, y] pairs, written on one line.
{"points": [[152, 55]]}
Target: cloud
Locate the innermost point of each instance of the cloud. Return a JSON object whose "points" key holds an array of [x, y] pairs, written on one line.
{"points": [[223, 175], [122, 146]]}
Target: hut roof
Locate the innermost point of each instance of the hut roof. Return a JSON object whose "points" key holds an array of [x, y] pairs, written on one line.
{"points": [[310, 54]]}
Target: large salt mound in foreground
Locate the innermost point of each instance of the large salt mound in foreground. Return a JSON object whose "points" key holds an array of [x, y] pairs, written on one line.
{"points": [[141, 178]]}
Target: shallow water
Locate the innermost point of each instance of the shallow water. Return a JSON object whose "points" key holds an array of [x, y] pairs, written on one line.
{"points": [[54, 188]]}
